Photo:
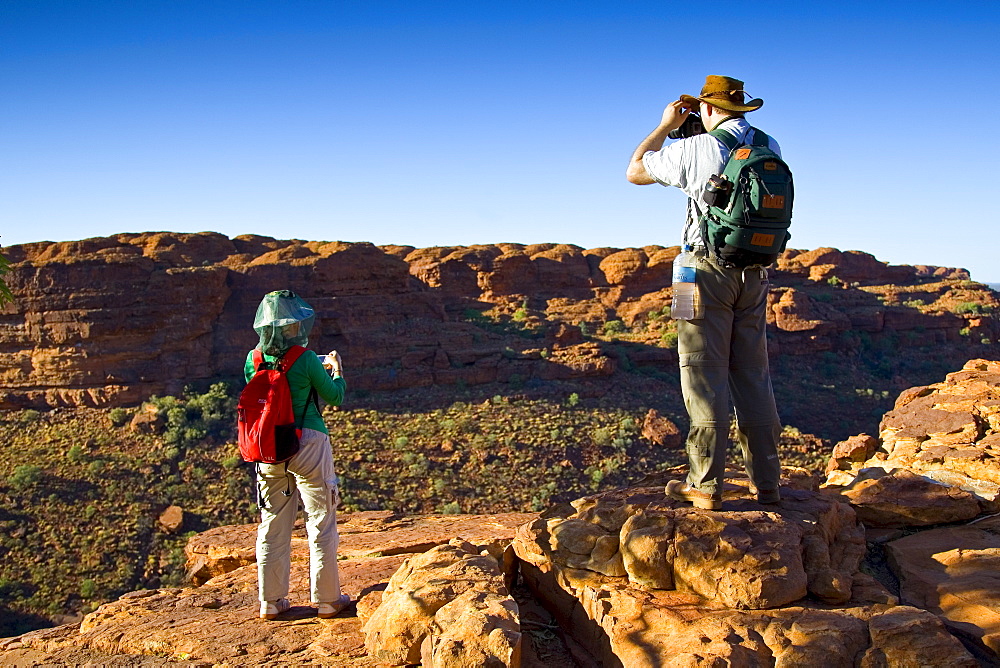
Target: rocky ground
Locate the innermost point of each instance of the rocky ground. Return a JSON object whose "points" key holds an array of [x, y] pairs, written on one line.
{"points": [[890, 560]]}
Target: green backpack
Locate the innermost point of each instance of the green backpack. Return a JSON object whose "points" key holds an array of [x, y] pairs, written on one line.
{"points": [[749, 204]]}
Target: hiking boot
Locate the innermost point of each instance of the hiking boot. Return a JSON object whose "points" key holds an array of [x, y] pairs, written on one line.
{"points": [[271, 609], [768, 496], [681, 491], [331, 610]]}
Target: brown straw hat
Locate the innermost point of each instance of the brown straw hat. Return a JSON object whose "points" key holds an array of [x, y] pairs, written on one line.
{"points": [[724, 93]]}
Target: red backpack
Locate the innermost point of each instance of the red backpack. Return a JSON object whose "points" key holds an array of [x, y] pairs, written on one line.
{"points": [[266, 421]]}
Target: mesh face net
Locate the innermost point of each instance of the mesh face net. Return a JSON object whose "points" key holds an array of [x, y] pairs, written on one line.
{"points": [[283, 320]]}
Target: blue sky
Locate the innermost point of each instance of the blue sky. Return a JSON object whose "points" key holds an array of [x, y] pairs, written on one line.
{"points": [[439, 123]]}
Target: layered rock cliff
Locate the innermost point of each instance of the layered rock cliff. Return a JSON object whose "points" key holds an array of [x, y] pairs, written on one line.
{"points": [[111, 321]]}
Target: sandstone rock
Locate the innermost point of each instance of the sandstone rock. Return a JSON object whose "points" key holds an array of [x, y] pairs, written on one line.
{"points": [[660, 430], [936, 459], [476, 629], [901, 498], [904, 636], [954, 572], [624, 625], [148, 420], [747, 561], [421, 587], [796, 312], [171, 519], [855, 449], [647, 549], [362, 534], [216, 623], [745, 557], [65, 341]]}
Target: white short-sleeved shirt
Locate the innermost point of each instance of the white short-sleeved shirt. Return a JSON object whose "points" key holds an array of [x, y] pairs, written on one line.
{"points": [[688, 163]]}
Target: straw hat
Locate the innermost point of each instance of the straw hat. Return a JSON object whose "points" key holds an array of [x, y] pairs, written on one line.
{"points": [[724, 93]]}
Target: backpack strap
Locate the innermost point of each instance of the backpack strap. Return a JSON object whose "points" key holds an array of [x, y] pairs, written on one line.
{"points": [[290, 357], [258, 360], [759, 138], [728, 140]]}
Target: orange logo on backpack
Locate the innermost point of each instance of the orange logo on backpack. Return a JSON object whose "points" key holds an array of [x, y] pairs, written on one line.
{"points": [[774, 201], [770, 166], [762, 239], [742, 153]]}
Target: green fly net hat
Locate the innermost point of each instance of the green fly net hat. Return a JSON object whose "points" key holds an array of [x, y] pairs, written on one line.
{"points": [[283, 320]]}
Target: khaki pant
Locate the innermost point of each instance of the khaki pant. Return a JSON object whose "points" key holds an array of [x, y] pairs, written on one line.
{"points": [[723, 360], [310, 478]]}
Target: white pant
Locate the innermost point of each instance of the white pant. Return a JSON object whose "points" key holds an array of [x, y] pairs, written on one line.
{"points": [[310, 478]]}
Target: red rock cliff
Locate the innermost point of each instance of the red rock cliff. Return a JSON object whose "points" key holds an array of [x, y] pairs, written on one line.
{"points": [[113, 320]]}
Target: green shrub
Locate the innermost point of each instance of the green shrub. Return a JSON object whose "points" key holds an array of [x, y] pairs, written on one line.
{"points": [[232, 462], [596, 474], [29, 415], [669, 338], [834, 281], [88, 588], [601, 436], [972, 308], [75, 454], [118, 416], [450, 508], [614, 327], [520, 315], [573, 400], [194, 417], [25, 476]]}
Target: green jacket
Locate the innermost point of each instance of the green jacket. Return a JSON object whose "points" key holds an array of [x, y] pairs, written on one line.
{"points": [[307, 372]]}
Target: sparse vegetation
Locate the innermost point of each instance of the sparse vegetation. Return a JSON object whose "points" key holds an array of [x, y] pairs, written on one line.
{"points": [[194, 417], [119, 416], [24, 477], [6, 296], [614, 327], [972, 308], [85, 495]]}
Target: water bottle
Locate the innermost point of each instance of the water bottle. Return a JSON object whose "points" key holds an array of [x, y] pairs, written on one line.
{"points": [[685, 302]]}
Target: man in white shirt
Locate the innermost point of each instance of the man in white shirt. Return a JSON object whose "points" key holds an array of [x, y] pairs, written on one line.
{"points": [[723, 355]]}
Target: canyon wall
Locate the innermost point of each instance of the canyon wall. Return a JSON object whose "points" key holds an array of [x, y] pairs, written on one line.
{"points": [[111, 321]]}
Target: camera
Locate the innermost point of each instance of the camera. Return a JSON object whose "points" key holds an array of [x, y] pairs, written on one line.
{"points": [[717, 191], [691, 126]]}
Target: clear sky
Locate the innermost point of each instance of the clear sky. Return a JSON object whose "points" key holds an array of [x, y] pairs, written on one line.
{"points": [[446, 123]]}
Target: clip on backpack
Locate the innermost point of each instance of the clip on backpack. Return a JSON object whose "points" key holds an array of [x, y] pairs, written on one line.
{"points": [[749, 204], [266, 420]]}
